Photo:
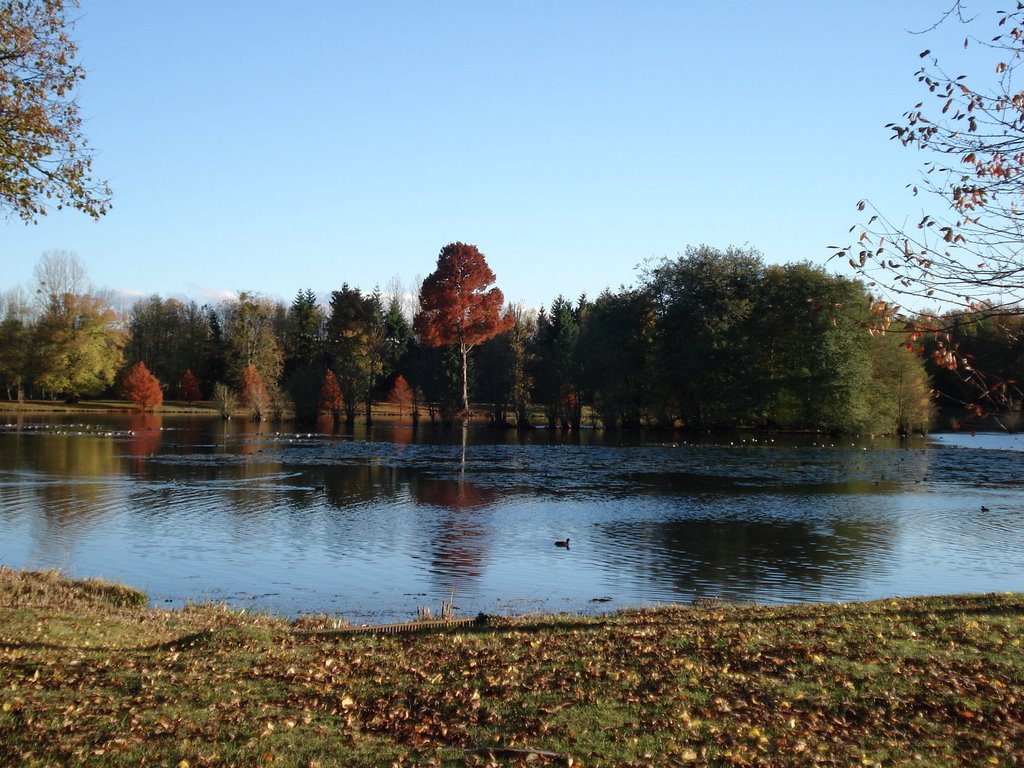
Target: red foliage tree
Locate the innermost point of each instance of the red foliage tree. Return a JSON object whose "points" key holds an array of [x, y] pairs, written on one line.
{"points": [[252, 392], [188, 387], [330, 394], [142, 387], [458, 308], [401, 393]]}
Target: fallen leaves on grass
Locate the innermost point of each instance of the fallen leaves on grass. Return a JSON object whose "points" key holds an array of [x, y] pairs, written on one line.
{"points": [[935, 681]]}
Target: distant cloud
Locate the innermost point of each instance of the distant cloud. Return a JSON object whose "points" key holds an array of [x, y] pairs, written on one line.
{"points": [[210, 295], [121, 298], [128, 294]]}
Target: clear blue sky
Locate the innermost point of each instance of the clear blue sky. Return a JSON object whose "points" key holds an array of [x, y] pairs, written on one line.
{"points": [[275, 146]]}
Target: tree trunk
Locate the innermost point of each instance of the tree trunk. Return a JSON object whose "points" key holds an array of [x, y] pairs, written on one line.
{"points": [[465, 382]]}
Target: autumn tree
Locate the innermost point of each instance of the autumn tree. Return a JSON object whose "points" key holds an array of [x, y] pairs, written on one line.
{"points": [[44, 157], [457, 306], [252, 393], [225, 398], [188, 387], [142, 387], [331, 399], [77, 340], [401, 393]]}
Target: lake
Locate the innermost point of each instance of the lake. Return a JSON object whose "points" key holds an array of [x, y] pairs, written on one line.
{"points": [[372, 525]]}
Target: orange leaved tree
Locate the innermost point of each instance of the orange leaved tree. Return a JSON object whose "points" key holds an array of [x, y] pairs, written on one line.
{"points": [[188, 387], [331, 398], [142, 387], [401, 393], [457, 306], [252, 392]]}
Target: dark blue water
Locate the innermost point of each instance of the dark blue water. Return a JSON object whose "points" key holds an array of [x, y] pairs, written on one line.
{"points": [[372, 526]]}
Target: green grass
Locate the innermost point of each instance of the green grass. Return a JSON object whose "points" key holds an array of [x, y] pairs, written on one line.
{"points": [[90, 676]]}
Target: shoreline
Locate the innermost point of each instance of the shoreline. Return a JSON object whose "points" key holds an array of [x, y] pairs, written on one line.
{"points": [[87, 676], [384, 415]]}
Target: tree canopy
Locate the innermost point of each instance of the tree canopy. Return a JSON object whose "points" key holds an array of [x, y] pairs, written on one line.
{"points": [[142, 387], [44, 156], [711, 339], [458, 306]]}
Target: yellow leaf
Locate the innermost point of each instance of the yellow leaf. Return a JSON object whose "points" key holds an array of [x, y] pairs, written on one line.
{"points": [[688, 755], [183, 764], [348, 702]]}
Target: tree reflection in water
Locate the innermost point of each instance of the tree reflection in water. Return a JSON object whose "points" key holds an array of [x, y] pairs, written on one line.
{"points": [[371, 521], [778, 559]]}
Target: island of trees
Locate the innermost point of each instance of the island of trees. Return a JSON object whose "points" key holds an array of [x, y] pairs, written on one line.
{"points": [[710, 340]]}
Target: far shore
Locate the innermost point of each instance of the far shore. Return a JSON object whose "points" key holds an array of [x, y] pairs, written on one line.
{"points": [[389, 414]]}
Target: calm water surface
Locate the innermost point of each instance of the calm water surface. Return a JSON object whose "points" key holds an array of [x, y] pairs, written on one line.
{"points": [[373, 525]]}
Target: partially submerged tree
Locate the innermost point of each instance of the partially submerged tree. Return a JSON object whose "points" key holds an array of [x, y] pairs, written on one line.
{"points": [[142, 387], [225, 399], [458, 307], [252, 393], [45, 159], [331, 399]]}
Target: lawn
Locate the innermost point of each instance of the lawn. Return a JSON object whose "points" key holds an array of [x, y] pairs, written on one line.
{"points": [[89, 675]]}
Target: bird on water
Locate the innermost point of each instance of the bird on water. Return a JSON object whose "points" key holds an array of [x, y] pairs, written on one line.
{"points": [[563, 543]]}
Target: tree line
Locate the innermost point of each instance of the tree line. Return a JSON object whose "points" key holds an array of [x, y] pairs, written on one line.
{"points": [[712, 339]]}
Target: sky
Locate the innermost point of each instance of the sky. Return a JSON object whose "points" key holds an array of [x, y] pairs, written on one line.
{"points": [[272, 147]]}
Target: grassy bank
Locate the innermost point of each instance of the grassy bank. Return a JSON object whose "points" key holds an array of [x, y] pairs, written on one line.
{"points": [[102, 406], [90, 676], [383, 413]]}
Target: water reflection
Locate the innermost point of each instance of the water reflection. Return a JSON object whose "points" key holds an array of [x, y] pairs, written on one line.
{"points": [[376, 523], [782, 559]]}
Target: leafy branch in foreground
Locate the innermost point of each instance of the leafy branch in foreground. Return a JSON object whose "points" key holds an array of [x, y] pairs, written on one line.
{"points": [[970, 254], [967, 256], [44, 156]]}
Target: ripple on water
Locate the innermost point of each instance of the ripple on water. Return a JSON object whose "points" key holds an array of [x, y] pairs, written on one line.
{"points": [[376, 529]]}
